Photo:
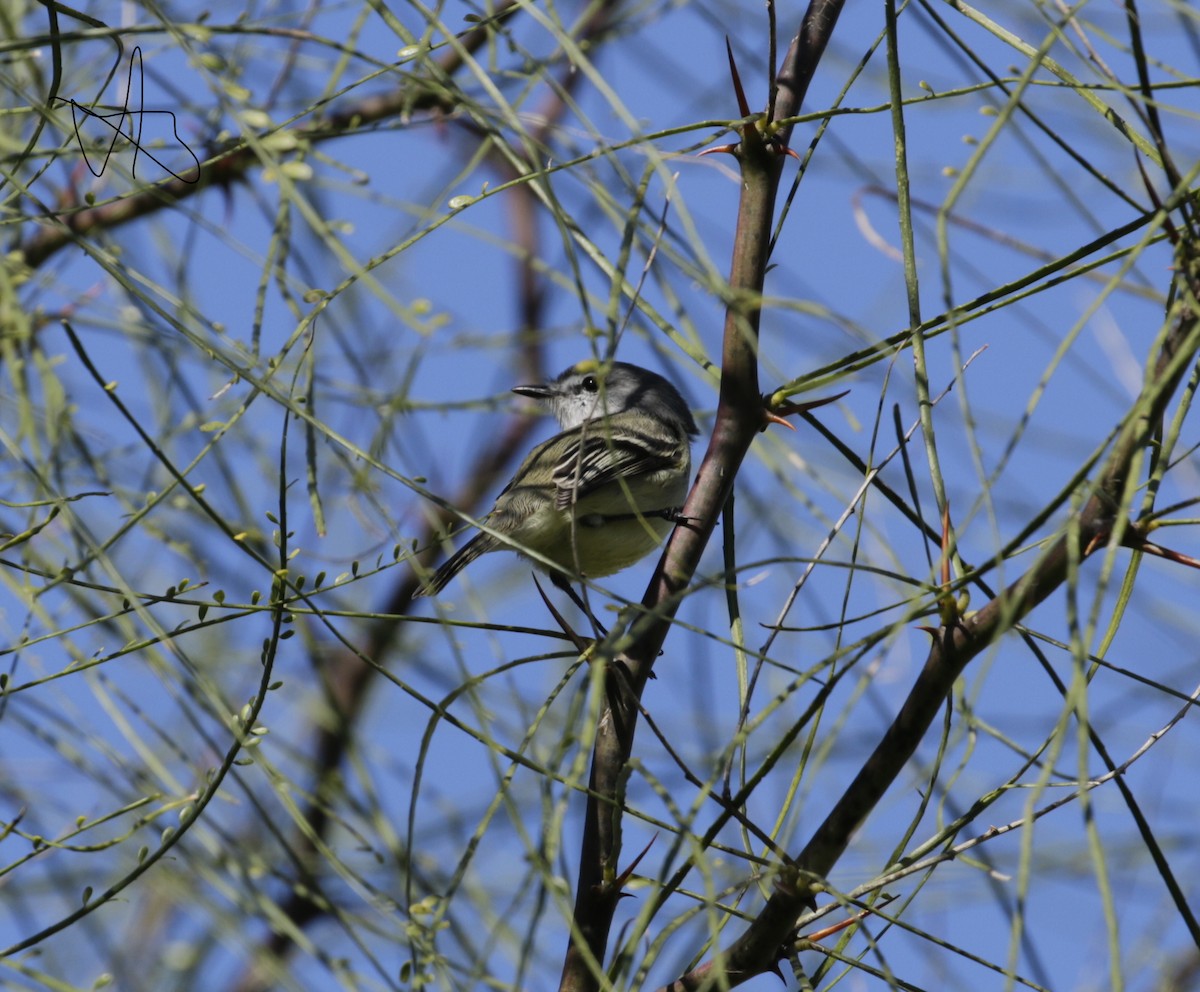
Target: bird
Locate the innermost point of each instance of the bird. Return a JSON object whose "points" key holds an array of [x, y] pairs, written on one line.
{"points": [[605, 491]]}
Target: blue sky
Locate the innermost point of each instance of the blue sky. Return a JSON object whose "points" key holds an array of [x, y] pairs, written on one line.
{"points": [[409, 370]]}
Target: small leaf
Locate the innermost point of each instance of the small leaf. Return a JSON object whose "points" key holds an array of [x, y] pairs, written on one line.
{"points": [[255, 118], [299, 171]]}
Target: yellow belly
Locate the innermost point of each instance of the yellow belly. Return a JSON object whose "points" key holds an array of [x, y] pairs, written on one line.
{"points": [[603, 534]]}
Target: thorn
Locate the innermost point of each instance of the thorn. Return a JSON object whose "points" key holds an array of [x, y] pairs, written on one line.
{"points": [[1160, 552], [735, 151], [743, 106], [829, 931], [1097, 541], [773, 413], [729, 149], [949, 609], [624, 876], [946, 543], [862, 914], [774, 418]]}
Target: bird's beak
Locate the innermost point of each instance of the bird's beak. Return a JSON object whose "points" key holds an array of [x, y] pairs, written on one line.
{"points": [[536, 392]]}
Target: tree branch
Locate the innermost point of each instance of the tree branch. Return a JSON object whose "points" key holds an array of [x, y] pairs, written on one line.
{"points": [[739, 418], [1101, 520], [225, 167]]}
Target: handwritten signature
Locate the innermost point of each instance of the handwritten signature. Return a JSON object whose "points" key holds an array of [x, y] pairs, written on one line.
{"points": [[118, 116]]}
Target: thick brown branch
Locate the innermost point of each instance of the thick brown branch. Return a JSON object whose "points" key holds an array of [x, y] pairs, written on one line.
{"points": [[739, 418], [953, 648]]}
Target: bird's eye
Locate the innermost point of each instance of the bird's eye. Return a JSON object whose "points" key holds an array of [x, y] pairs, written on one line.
{"points": [[590, 384]]}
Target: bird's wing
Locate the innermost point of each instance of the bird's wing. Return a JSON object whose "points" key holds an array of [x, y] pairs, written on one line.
{"points": [[604, 451], [538, 453]]}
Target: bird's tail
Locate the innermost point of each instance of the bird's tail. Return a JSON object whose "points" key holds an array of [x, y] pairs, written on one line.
{"points": [[478, 545]]}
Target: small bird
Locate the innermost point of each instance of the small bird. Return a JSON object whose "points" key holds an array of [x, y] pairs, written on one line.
{"points": [[602, 494]]}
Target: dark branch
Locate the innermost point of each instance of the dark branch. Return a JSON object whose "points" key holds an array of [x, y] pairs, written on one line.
{"points": [[739, 418]]}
